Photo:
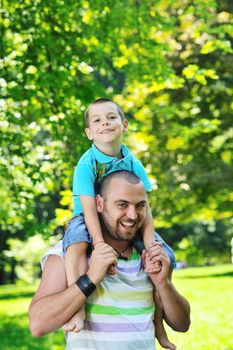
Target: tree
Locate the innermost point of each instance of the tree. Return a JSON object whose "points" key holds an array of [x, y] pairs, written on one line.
{"points": [[166, 62]]}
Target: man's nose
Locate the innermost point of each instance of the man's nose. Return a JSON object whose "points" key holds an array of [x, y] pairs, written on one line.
{"points": [[131, 213]]}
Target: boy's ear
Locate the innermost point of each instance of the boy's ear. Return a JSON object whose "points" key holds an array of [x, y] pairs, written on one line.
{"points": [[99, 203], [125, 124], [89, 134]]}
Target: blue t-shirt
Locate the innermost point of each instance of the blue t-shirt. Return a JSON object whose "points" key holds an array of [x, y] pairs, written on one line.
{"points": [[94, 165]]}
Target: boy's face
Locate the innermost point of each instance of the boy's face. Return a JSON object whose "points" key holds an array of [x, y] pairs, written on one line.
{"points": [[105, 125]]}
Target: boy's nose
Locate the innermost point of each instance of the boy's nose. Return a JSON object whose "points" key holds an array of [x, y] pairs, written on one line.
{"points": [[105, 122]]}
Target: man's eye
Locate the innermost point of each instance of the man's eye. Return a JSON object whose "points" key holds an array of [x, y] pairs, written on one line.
{"points": [[122, 205], [141, 206]]}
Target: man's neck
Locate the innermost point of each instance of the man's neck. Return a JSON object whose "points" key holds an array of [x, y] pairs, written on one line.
{"points": [[122, 248]]}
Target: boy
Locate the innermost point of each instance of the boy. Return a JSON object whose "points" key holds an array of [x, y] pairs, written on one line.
{"points": [[105, 126]]}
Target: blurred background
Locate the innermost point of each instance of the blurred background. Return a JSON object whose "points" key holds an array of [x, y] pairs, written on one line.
{"points": [[169, 65]]}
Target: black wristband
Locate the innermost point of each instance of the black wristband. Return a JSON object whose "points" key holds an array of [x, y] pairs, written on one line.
{"points": [[85, 285]]}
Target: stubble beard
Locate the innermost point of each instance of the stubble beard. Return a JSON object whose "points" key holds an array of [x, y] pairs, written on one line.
{"points": [[116, 231]]}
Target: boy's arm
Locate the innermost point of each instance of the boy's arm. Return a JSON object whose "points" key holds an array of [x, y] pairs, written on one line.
{"points": [[91, 218], [148, 229]]}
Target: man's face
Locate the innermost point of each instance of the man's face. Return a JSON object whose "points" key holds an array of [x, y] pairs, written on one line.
{"points": [[123, 210]]}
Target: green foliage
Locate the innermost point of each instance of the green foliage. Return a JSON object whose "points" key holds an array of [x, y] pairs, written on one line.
{"points": [[168, 63], [27, 255], [200, 243]]}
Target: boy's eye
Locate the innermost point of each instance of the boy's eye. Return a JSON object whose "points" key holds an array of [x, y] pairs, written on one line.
{"points": [[96, 120], [112, 116]]}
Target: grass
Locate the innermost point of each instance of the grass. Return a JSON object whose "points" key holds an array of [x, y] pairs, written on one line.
{"points": [[208, 289], [14, 332]]}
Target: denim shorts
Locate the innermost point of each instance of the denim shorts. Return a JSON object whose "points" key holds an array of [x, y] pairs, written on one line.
{"points": [[75, 232], [169, 251]]}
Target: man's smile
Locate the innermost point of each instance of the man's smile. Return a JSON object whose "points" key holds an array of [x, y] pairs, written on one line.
{"points": [[128, 223]]}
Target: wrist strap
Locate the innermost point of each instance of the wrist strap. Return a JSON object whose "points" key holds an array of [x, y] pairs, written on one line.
{"points": [[85, 285]]}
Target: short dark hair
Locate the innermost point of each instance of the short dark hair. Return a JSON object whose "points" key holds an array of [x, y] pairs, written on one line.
{"points": [[102, 100], [120, 174]]}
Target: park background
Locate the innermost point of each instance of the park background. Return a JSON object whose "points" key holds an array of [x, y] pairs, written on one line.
{"points": [[169, 65]]}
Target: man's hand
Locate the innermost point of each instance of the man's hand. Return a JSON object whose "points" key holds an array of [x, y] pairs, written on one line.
{"points": [[101, 258], [158, 257], [112, 267]]}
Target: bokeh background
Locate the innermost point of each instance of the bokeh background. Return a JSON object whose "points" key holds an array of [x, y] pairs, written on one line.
{"points": [[169, 65]]}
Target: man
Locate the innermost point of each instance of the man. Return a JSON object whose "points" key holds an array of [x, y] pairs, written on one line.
{"points": [[119, 308]]}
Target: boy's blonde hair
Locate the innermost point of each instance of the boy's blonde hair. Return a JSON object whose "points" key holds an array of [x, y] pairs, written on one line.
{"points": [[102, 100]]}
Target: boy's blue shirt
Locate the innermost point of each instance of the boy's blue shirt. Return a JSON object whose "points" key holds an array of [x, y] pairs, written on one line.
{"points": [[94, 165]]}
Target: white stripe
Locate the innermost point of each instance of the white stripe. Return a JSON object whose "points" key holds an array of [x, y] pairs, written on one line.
{"points": [[113, 337], [113, 319]]}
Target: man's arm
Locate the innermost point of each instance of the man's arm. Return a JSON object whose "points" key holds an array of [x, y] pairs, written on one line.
{"points": [[176, 307], [54, 303]]}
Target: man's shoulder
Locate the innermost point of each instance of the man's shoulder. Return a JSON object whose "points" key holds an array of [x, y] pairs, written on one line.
{"points": [[55, 250]]}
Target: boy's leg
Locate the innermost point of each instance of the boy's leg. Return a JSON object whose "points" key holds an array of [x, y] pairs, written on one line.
{"points": [[76, 265], [76, 261], [160, 332]]}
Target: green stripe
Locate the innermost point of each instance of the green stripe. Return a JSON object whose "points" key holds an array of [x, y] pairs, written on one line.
{"points": [[112, 310], [135, 255]]}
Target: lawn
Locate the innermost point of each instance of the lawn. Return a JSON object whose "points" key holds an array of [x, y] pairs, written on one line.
{"points": [[209, 290], [210, 293]]}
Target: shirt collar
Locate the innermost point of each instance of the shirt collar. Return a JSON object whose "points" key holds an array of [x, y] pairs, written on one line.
{"points": [[104, 158]]}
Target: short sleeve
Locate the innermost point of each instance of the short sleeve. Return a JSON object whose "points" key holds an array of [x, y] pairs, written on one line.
{"points": [[84, 180], [139, 170], [55, 250]]}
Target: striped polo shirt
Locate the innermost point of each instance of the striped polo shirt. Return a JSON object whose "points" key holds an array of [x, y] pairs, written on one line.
{"points": [[119, 314]]}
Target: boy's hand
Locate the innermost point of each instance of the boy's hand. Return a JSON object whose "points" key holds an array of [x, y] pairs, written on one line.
{"points": [[157, 256], [111, 269], [150, 265]]}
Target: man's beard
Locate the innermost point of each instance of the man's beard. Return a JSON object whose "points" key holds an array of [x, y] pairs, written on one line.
{"points": [[115, 232]]}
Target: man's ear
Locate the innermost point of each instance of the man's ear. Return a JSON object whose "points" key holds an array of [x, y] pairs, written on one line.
{"points": [[89, 134], [99, 203]]}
